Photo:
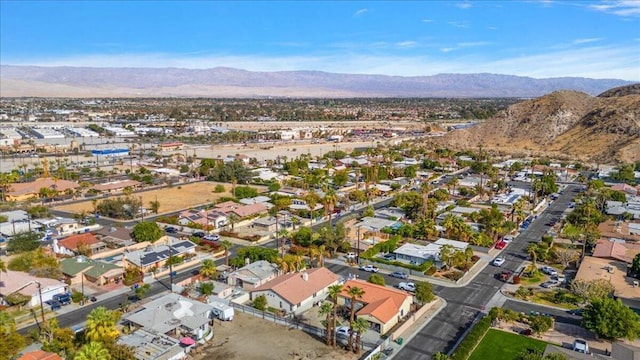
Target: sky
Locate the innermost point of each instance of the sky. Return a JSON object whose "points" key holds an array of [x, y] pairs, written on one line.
{"points": [[543, 38]]}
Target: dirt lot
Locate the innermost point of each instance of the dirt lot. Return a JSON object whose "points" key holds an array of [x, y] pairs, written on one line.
{"points": [[170, 198], [248, 337]]}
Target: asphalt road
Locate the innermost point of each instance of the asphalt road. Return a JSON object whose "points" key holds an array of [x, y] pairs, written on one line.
{"points": [[560, 315], [463, 304]]}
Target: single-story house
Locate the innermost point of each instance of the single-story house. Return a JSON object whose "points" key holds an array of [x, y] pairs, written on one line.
{"points": [[39, 355], [253, 275], [625, 188], [297, 292], [418, 254], [156, 256], [174, 316], [376, 224], [30, 190], [390, 213], [150, 345], [241, 210], [623, 230], [214, 218], [116, 186], [92, 271], [118, 236], [86, 244], [268, 223], [627, 289], [27, 285], [383, 307], [616, 250]]}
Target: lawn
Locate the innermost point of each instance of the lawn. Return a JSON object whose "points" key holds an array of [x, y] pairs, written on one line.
{"points": [[502, 345], [567, 301]]}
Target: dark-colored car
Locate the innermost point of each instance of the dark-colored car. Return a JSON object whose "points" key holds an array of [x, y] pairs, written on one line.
{"points": [[576, 312], [199, 234], [55, 305], [170, 230]]}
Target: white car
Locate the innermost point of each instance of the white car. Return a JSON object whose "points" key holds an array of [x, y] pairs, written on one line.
{"points": [[498, 261], [549, 270], [343, 331], [581, 346], [508, 238], [407, 286], [370, 268]]}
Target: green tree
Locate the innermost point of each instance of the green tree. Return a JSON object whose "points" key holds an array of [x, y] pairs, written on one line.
{"points": [[635, 267], [23, 242], [39, 212], [441, 356], [334, 291], [11, 342], [208, 268], [219, 189], [355, 293], [325, 312], [36, 261], [93, 351], [592, 289], [260, 302], [141, 291], [424, 292], [226, 245], [155, 206], [56, 339], [368, 212], [101, 325], [243, 192], [359, 326], [376, 279], [254, 254], [206, 288], [540, 323], [340, 178], [611, 320], [146, 231], [302, 237]]}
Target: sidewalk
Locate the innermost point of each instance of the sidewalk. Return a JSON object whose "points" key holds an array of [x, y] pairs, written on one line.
{"points": [[414, 329]]}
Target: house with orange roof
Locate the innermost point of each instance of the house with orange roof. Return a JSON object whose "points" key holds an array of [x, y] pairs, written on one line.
{"points": [[30, 190], [616, 250], [241, 210], [28, 285], [39, 355], [86, 243], [381, 306], [625, 188], [297, 292]]}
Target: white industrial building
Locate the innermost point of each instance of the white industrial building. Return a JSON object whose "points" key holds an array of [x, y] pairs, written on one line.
{"points": [[118, 131], [82, 132], [46, 133]]}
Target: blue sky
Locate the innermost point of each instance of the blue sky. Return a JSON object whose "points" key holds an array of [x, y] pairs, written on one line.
{"points": [[599, 39]]}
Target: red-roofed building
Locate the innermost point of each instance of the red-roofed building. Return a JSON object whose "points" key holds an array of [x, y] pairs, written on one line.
{"points": [[381, 306], [170, 146], [241, 210], [616, 250], [627, 189], [297, 292], [77, 244], [40, 355]]}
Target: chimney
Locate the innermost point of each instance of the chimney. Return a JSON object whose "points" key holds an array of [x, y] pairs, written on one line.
{"points": [[305, 276]]}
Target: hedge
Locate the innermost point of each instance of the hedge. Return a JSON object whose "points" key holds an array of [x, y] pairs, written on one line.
{"points": [[473, 338]]}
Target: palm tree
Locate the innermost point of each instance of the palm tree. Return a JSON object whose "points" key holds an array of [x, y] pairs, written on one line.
{"points": [[532, 249], [325, 311], [355, 293], [233, 219], [330, 200], [101, 325], [446, 254], [334, 291], [226, 245], [92, 351], [208, 268], [359, 326], [318, 253]]}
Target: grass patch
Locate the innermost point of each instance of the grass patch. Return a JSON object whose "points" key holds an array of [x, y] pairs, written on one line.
{"points": [[535, 278], [565, 300], [502, 345]]}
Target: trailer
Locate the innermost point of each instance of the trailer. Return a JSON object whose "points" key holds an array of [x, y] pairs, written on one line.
{"points": [[221, 308]]}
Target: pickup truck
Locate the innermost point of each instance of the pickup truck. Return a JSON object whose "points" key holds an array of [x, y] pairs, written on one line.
{"points": [[370, 268], [407, 286]]}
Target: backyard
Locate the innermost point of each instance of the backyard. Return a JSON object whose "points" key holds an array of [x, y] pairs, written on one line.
{"points": [[498, 344]]}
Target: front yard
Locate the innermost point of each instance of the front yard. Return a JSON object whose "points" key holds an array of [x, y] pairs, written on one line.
{"points": [[502, 345]]}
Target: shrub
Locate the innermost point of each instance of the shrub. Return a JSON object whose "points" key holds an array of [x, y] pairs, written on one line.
{"points": [[376, 279], [219, 188], [76, 296], [540, 323], [260, 303], [472, 339]]}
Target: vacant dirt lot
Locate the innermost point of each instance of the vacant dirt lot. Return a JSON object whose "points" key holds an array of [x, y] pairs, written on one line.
{"points": [[170, 198], [248, 337]]}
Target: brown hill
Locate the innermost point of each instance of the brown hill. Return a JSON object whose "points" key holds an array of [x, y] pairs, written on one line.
{"points": [[563, 124]]}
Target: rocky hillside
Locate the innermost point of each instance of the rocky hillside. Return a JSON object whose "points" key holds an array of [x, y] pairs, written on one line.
{"points": [[604, 129]]}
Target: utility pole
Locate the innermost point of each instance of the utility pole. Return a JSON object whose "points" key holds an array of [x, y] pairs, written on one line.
{"points": [[170, 266], [141, 210], [358, 248], [41, 305]]}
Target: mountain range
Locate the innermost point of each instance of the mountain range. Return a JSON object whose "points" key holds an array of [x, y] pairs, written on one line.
{"points": [[38, 81], [563, 124]]}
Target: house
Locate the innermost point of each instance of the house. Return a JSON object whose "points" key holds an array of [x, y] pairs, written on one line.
{"points": [[268, 223], [623, 230], [150, 345], [616, 250], [619, 209], [27, 285], [117, 236], [39, 355], [241, 210], [419, 254], [625, 188], [253, 275], [171, 146], [376, 224], [297, 292], [627, 289], [154, 257], [214, 218], [85, 244], [30, 190], [116, 186], [290, 191], [390, 213], [381, 306], [81, 268], [174, 316], [256, 200]]}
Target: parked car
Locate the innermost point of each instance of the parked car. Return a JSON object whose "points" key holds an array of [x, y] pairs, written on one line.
{"points": [[64, 299], [370, 268], [343, 331], [576, 312], [501, 245], [549, 270], [581, 346], [350, 255], [498, 261], [55, 305], [170, 230], [526, 332], [199, 234], [399, 275], [507, 239], [93, 299], [389, 256], [407, 286], [212, 237], [549, 284]]}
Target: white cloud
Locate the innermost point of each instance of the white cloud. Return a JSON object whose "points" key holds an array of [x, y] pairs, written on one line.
{"points": [[590, 61], [586, 40], [624, 8], [459, 24], [360, 12], [464, 5], [427, 21], [407, 43], [463, 45]]}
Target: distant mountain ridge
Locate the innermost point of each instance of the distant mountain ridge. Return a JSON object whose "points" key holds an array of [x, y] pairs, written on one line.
{"points": [[603, 129], [230, 82]]}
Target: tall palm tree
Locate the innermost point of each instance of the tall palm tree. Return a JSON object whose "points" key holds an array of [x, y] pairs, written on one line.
{"points": [[325, 311], [318, 253], [92, 351], [226, 245], [359, 326], [101, 325], [208, 268], [330, 200], [355, 293], [334, 291], [532, 249]]}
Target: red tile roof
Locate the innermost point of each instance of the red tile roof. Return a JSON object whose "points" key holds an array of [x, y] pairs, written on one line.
{"points": [[73, 241], [616, 250], [382, 302], [34, 187], [40, 355]]}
